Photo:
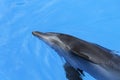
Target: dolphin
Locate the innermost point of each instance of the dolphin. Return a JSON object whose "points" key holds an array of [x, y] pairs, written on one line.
{"points": [[100, 62]]}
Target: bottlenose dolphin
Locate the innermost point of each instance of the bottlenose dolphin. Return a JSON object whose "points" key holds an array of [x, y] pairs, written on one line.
{"points": [[99, 62]]}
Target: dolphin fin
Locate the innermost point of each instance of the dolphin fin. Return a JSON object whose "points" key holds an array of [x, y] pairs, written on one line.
{"points": [[71, 73]]}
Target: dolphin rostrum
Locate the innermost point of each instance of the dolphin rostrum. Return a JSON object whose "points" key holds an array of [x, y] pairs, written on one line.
{"points": [[101, 63]]}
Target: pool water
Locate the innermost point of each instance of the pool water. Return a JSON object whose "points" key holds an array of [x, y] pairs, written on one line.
{"points": [[24, 57]]}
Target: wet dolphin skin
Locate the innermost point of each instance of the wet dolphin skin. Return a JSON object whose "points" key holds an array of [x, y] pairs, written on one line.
{"points": [[99, 62]]}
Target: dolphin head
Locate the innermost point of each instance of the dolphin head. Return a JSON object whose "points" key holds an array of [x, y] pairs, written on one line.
{"points": [[62, 42], [59, 42]]}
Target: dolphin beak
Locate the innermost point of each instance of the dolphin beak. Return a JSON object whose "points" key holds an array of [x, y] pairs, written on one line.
{"points": [[38, 34], [42, 36]]}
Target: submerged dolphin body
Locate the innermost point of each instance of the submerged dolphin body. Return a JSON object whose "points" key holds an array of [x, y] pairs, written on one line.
{"points": [[99, 62]]}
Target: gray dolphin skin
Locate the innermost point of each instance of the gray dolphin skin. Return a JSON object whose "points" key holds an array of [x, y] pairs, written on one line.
{"points": [[101, 63]]}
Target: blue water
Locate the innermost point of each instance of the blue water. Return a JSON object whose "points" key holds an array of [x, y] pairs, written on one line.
{"points": [[24, 57]]}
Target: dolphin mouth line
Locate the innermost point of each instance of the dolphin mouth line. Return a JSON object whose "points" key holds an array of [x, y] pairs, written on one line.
{"points": [[38, 34]]}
